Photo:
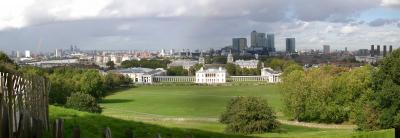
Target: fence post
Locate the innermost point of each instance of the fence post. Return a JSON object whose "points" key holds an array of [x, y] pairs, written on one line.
{"points": [[76, 132], [58, 129], [107, 133]]}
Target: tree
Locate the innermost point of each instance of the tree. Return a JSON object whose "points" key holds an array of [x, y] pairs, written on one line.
{"points": [[194, 68], [110, 65], [177, 71], [231, 69], [247, 115], [83, 102]]}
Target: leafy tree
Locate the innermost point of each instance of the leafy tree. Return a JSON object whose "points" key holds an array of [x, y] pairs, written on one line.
{"points": [[177, 71], [83, 102], [110, 65], [146, 63], [231, 69], [7, 64], [248, 115], [194, 68]]}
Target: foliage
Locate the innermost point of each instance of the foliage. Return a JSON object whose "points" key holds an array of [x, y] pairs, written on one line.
{"points": [[112, 81], [279, 64], [83, 102], [327, 94], [7, 64], [248, 115], [110, 65], [145, 63], [194, 68], [177, 71], [233, 69], [382, 107]]}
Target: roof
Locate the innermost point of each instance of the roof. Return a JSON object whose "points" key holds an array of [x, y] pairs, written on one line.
{"points": [[212, 70], [183, 63], [270, 70], [140, 70]]}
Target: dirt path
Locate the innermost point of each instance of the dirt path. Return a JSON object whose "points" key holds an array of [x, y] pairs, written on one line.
{"points": [[139, 116]]}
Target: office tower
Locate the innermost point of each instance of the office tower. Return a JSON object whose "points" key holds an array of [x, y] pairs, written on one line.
{"points": [[290, 45], [239, 44], [390, 49], [327, 49], [384, 51], [378, 50], [58, 53], [253, 39], [372, 51], [18, 54], [261, 40], [27, 53], [271, 42]]}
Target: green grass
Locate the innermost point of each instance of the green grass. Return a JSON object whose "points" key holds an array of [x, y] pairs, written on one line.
{"points": [[184, 101]]}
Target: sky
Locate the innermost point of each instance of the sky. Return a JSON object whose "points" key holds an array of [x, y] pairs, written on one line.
{"points": [[44, 25]]}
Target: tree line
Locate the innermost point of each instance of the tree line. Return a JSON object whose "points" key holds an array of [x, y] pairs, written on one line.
{"points": [[366, 96], [146, 63]]}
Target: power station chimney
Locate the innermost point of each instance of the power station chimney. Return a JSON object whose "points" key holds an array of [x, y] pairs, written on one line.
{"points": [[384, 51], [378, 50], [372, 51], [390, 49]]}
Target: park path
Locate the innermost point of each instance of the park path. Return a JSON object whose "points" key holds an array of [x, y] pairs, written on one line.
{"points": [[140, 116]]}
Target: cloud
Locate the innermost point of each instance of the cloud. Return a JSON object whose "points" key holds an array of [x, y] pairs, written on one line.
{"points": [[391, 3], [348, 29], [381, 22]]}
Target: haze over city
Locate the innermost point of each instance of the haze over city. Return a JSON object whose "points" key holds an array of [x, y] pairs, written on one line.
{"points": [[45, 25]]}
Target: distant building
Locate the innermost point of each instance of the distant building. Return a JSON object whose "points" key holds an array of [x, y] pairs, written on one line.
{"points": [[258, 40], [229, 58], [141, 75], [202, 59], [239, 44], [271, 42], [250, 64], [186, 64], [272, 76], [211, 76], [326, 49], [58, 53], [27, 54], [290, 45]]}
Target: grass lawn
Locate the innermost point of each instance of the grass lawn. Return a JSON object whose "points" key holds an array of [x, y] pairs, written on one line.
{"points": [[184, 101]]}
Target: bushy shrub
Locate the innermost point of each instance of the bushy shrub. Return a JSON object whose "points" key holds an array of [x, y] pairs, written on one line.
{"points": [[83, 102], [246, 115]]}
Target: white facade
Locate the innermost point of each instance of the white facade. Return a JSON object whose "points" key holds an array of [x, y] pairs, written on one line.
{"points": [[142, 75], [27, 54], [250, 64], [272, 76], [211, 76]]}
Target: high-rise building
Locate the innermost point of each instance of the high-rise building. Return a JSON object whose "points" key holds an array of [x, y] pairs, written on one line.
{"points": [[390, 49], [327, 49], [258, 40], [384, 51], [378, 50], [290, 45], [18, 54], [372, 51], [271, 42], [239, 44], [27, 53], [58, 53], [253, 39]]}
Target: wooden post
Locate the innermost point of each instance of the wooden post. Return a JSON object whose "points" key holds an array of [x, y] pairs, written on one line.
{"points": [[58, 129], [76, 132], [107, 133]]}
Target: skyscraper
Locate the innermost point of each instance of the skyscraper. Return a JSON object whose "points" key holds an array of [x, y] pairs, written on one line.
{"points": [[290, 45], [239, 44], [271, 42], [27, 53], [258, 40], [327, 49], [253, 39], [58, 53]]}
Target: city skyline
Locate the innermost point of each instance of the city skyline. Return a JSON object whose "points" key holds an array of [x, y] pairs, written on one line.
{"points": [[196, 24]]}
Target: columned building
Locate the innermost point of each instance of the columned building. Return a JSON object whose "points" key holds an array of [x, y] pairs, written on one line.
{"points": [[271, 75], [142, 75], [211, 76]]}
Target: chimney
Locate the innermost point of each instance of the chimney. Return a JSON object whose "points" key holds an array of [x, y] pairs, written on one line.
{"points": [[384, 51], [372, 51], [378, 51], [390, 49]]}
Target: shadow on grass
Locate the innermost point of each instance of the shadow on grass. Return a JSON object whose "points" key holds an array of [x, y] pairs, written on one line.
{"points": [[92, 125], [115, 101]]}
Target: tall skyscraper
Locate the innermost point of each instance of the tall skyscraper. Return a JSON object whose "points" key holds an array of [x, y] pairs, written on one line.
{"points": [[27, 53], [58, 53], [290, 45], [253, 39], [327, 49], [271, 42], [239, 44], [258, 40]]}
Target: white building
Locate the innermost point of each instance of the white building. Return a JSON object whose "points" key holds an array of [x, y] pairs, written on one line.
{"points": [[27, 54], [211, 76], [250, 64], [142, 75], [272, 76], [186, 64]]}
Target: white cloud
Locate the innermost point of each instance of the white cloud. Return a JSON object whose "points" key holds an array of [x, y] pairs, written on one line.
{"points": [[349, 29], [391, 3]]}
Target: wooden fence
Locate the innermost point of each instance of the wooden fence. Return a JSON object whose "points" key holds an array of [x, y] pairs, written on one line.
{"points": [[24, 111]]}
